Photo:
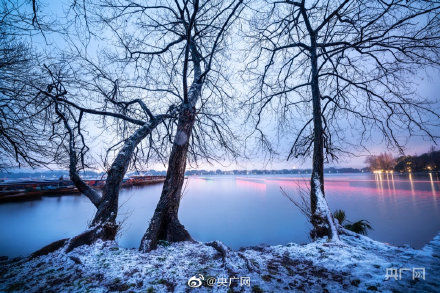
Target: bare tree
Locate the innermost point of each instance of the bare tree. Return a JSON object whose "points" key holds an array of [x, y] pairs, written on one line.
{"points": [[381, 162], [201, 27], [66, 117], [21, 141], [347, 64], [179, 48], [121, 81]]}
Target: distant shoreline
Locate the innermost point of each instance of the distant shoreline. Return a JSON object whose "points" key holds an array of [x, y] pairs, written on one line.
{"points": [[56, 174]]}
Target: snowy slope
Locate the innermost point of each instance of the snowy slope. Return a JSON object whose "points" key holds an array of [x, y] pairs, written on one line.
{"points": [[356, 264]]}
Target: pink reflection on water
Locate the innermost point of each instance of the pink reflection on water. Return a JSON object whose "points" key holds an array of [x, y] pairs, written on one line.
{"points": [[346, 179], [384, 185], [251, 183]]}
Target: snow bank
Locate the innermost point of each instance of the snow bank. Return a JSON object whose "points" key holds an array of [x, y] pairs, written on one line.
{"points": [[354, 264]]}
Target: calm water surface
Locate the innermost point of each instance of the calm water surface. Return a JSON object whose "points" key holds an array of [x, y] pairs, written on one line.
{"points": [[239, 211]]}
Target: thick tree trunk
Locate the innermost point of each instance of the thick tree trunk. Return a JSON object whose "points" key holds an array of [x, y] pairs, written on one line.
{"points": [[322, 219], [108, 206], [165, 224]]}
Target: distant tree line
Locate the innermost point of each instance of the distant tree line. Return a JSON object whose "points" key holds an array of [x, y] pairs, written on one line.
{"points": [[329, 170], [427, 162], [93, 174]]}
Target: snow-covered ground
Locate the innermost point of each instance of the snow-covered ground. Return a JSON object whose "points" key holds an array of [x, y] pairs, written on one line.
{"points": [[356, 264]]}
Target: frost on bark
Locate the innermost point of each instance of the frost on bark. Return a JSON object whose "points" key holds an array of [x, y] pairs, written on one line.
{"points": [[108, 205], [165, 223], [104, 224], [322, 219]]}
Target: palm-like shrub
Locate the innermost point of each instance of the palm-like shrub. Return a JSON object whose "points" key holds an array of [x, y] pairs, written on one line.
{"points": [[340, 216], [360, 227]]}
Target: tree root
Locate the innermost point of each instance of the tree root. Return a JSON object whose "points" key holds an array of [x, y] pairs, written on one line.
{"points": [[220, 247], [163, 229], [103, 232], [54, 246], [321, 227]]}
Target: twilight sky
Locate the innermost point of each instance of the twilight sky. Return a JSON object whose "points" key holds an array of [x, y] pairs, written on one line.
{"points": [[429, 87]]}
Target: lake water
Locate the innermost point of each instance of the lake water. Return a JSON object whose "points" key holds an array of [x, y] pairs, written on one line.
{"points": [[239, 211]]}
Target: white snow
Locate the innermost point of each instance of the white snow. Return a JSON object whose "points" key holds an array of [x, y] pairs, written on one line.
{"points": [[354, 264], [323, 210], [181, 138]]}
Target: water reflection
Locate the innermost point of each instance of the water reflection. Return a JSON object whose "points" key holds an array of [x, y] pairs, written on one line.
{"points": [[252, 184], [240, 211], [412, 183], [432, 184], [378, 178], [394, 186]]}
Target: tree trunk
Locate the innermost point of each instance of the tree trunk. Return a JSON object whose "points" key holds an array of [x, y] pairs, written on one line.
{"points": [[108, 206], [165, 224], [104, 225], [322, 219]]}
